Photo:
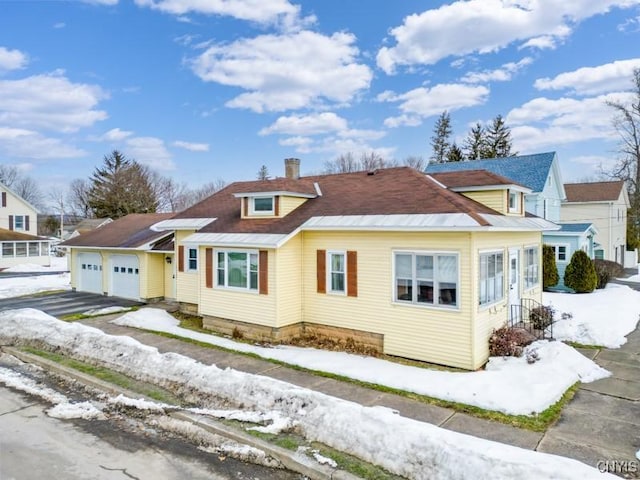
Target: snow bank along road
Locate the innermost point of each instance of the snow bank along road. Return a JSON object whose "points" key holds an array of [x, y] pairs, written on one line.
{"points": [[378, 435]]}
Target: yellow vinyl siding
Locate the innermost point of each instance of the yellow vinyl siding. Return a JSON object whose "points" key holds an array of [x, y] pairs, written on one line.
{"points": [[288, 286], [187, 284], [152, 276], [243, 306], [289, 204], [495, 316], [495, 199], [440, 335], [169, 269]]}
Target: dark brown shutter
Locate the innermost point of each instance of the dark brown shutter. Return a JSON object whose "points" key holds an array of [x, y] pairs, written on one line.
{"points": [[4, 199], [208, 268], [26, 223], [263, 276], [276, 206], [352, 274], [10, 222], [181, 258], [321, 270], [245, 206]]}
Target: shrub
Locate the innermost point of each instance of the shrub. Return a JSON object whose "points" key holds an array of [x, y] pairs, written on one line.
{"points": [[509, 342], [580, 274], [541, 317], [549, 268], [606, 270]]}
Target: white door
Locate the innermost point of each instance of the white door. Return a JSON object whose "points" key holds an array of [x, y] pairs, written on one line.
{"points": [[514, 277], [89, 272], [125, 276]]}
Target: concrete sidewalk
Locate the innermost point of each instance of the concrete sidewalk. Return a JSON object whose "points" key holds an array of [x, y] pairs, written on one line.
{"points": [[601, 423]]}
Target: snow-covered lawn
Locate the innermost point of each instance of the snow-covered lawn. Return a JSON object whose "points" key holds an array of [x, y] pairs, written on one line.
{"points": [[633, 278], [16, 286], [603, 317], [58, 264], [378, 435], [508, 385]]}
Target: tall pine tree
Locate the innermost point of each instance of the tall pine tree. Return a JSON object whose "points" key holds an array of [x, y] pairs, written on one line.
{"points": [[475, 145], [440, 140], [498, 137]]}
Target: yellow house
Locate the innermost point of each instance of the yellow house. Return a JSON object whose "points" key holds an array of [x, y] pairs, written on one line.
{"points": [[418, 266]]}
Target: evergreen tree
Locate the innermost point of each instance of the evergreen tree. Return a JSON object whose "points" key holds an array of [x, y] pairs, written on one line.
{"points": [[455, 154], [475, 144], [580, 274], [440, 140], [549, 269], [498, 139], [263, 173], [120, 187]]}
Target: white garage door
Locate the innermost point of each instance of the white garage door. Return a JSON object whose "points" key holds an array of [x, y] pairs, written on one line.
{"points": [[89, 271], [125, 276]]}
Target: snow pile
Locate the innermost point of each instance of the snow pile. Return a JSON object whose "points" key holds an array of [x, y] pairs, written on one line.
{"points": [[84, 410], [17, 286], [594, 322], [509, 385], [403, 446], [58, 264], [105, 311]]}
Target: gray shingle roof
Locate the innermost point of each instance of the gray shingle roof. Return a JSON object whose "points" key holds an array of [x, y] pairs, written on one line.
{"points": [[528, 170]]}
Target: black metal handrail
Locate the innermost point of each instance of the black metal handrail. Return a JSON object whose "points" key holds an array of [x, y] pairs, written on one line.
{"points": [[532, 316]]}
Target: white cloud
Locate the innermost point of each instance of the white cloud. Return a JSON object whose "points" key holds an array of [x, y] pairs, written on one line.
{"points": [[424, 102], [115, 135], [542, 122], [59, 25], [264, 12], [149, 151], [22, 143], [502, 74], [50, 101], [610, 77], [193, 147], [12, 59], [288, 71], [313, 124], [484, 26], [101, 2], [301, 144]]}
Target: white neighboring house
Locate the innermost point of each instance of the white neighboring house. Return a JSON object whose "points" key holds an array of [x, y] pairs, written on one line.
{"points": [[604, 204], [18, 228]]}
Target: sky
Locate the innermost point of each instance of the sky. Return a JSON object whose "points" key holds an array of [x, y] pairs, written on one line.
{"points": [[213, 89]]}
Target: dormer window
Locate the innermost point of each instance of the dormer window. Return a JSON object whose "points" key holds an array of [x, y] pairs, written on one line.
{"points": [[514, 204], [262, 206]]}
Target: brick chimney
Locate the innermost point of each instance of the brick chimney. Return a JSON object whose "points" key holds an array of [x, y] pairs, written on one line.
{"points": [[292, 168]]}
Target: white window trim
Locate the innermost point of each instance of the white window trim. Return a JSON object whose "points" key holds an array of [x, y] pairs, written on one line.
{"points": [[252, 210], [504, 278], [516, 208], [435, 306], [187, 251], [329, 271], [556, 253], [524, 270], [246, 289], [15, 223]]}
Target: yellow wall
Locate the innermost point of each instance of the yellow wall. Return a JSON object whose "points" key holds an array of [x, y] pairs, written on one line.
{"points": [[289, 204], [187, 282], [240, 305], [170, 270], [496, 199], [152, 285], [288, 287]]}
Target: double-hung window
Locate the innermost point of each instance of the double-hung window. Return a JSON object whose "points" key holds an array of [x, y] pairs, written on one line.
{"points": [[237, 269], [561, 252], [426, 278], [491, 277], [531, 267], [514, 203], [336, 272], [18, 222], [192, 259]]}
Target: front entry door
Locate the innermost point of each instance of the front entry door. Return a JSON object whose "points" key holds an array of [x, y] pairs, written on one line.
{"points": [[514, 280]]}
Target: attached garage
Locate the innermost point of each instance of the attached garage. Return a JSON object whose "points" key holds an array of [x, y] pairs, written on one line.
{"points": [[124, 273], [89, 272]]}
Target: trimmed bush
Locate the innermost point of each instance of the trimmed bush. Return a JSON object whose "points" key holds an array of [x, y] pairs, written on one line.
{"points": [[549, 269], [509, 342], [606, 270], [541, 317], [580, 274]]}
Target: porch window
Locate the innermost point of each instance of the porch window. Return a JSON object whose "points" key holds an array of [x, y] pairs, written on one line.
{"points": [[238, 270], [21, 249], [531, 267], [491, 277], [34, 249], [423, 278], [8, 249]]}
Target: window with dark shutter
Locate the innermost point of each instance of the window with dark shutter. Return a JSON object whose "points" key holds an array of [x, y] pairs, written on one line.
{"points": [[352, 274], [263, 282], [26, 223], [208, 260], [4, 199], [181, 258], [321, 270]]}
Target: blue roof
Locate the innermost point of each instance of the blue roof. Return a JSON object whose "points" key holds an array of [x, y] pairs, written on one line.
{"points": [[574, 227], [528, 170]]}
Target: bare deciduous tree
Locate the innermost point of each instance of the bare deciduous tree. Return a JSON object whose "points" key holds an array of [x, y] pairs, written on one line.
{"points": [[24, 186], [417, 163], [347, 163]]}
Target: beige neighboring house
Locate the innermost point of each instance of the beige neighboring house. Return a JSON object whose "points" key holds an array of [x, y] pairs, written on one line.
{"points": [[88, 225], [18, 228], [605, 205]]}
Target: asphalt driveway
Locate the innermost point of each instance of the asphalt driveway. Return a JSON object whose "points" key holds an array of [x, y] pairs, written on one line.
{"points": [[65, 303]]}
